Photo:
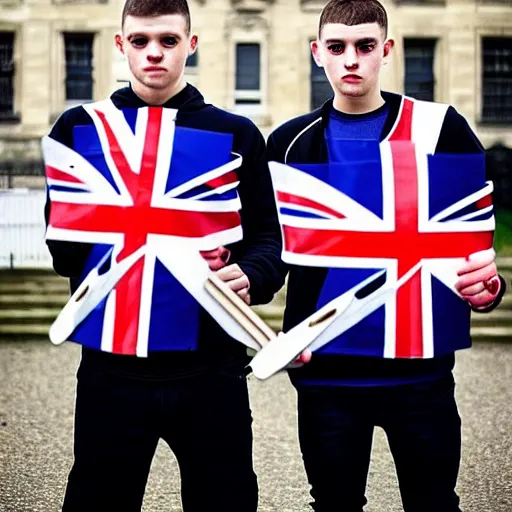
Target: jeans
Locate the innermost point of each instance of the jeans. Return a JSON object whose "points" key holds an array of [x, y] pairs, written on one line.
{"points": [[205, 420], [423, 428]]}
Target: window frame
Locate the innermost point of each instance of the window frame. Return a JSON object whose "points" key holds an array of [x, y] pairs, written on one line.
{"points": [[248, 101], [433, 47], [489, 121], [12, 115], [67, 37]]}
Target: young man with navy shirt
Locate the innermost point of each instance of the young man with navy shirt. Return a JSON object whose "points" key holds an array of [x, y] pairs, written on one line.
{"points": [[196, 401], [341, 398]]}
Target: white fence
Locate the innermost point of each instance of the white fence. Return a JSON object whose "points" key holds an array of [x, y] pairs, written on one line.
{"points": [[22, 229]]}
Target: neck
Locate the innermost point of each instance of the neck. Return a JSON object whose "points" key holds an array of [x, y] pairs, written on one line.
{"points": [[359, 104], [156, 97]]}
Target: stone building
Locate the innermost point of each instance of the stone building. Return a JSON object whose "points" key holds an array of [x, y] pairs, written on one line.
{"points": [[253, 58]]}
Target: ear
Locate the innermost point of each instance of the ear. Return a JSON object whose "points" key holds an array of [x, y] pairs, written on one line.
{"points": [[388, 47], [194, 40], [315, 50], [119, 42]]}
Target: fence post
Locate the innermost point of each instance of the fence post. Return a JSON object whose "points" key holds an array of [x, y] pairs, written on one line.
{"points": [[10, 177]]}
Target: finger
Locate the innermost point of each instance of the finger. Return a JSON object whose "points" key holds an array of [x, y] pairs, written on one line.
{"points": [[472, 290], [476, 276], [215, 264], [230, 272], [244, 294], [478, 260], [305, 357], [238, 284], [480, 300]]}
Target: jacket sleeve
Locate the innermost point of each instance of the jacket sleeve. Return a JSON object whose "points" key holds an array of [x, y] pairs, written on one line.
{"points": [[260, 255], [457, 137], [68, 258]]}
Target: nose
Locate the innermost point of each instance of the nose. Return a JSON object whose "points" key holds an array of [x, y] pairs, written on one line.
{"points": [[351, 60], [154, 52]]}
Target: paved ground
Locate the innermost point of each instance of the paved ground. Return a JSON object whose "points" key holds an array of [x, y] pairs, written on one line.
{"points": [[36, 405]]}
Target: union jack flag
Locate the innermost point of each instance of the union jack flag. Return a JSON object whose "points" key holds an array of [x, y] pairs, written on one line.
{"points": [[389, 206], [134, 179]]}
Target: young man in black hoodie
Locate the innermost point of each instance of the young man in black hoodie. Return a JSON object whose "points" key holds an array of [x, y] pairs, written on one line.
{"points": [[341, 398], [196, 401]]}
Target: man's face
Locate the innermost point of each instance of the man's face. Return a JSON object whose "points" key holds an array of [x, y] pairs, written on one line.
{"points": [[156, 49], [352, 57]]}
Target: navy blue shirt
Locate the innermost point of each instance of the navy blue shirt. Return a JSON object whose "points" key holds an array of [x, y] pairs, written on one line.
{"points": [[356, 126]]}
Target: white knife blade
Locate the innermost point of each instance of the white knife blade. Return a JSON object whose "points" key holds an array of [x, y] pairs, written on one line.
{"points": [[93, 289], [286, 347]]}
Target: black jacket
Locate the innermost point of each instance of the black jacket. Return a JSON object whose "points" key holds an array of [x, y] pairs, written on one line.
{"points": [[302, 140], [258, 254]]}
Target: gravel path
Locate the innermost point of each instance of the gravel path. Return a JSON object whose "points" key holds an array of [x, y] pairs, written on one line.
{"points": [[36, 422]]}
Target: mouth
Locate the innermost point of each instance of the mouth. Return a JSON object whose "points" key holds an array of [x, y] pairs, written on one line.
{"points": [[351, 79], [154, 69]]}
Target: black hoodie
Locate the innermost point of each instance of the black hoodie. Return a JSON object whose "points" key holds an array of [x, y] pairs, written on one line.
{"points": [[302, 140], [258, 255]]}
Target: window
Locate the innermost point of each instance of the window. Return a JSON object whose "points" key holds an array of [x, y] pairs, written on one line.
{"points": [[497, 79], [419, 68], [6, 74], [321, 89], [247, 80], [79, 83]]}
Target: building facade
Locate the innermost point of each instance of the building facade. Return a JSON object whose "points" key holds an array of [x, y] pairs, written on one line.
{"points": [[253, 58]]}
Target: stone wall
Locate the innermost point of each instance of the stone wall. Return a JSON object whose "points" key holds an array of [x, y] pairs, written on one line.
{"points": [[282, 27]]}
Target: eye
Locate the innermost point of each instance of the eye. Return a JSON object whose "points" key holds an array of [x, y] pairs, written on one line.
{"points": [[139, 42], [336, 48], [169, 41], [367, 48]]}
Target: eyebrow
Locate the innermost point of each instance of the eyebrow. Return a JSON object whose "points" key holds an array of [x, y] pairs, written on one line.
{"points": [[134, 35], [359, 42]]}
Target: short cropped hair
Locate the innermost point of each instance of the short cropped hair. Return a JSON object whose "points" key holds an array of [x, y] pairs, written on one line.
{"points": [[150, 8], [354, 12]]}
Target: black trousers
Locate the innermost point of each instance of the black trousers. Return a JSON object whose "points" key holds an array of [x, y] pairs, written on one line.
{"points": [[422, 425], [205, 420]]}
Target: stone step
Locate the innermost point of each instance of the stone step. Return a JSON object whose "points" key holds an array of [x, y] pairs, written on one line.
{"points": [[21, 301], [490, 333], [31, 287], [504, 261], [498, 317], [42, 315], [22, 330], [506, 302], [42, 274]]}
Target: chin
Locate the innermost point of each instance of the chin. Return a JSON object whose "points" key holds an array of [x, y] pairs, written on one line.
{"points": [[157, 84], [352, 92]]}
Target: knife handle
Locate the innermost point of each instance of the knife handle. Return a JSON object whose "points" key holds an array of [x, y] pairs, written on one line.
{"points": [[239, 310]]}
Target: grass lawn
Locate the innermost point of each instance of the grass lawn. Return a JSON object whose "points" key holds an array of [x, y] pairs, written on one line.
{"points": [[503, 234]]}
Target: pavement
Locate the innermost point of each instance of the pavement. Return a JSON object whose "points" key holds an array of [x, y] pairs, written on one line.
{"points": [[37, 384]]}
